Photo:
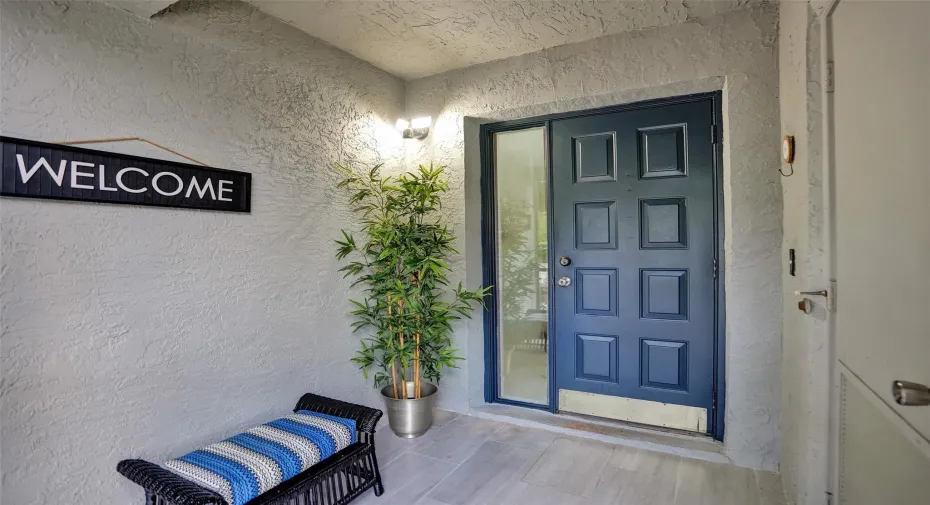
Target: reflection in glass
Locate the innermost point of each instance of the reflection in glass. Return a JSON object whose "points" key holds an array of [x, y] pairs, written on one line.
{"points": [[522, 264]]}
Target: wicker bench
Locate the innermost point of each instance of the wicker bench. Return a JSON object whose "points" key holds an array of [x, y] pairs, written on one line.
{"points": [[336, 480]]}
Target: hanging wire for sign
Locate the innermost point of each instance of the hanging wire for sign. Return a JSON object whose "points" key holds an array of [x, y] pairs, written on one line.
{"points": [[130, 139], [790, 170]]}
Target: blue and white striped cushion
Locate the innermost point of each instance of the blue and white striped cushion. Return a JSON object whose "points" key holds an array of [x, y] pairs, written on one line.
{"points": [[246, 465]]}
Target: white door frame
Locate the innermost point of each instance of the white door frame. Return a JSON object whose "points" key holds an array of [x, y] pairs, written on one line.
{"points": [[829, 209]]}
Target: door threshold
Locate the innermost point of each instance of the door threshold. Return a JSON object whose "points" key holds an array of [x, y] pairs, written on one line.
{"points": [[679, 443], [645, 413]]}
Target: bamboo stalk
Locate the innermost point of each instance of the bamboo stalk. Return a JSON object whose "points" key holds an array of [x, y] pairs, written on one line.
{"points": [[400, 306], [416, 380], [393, 362], [414, 278], [403, 372], [394, 377]]}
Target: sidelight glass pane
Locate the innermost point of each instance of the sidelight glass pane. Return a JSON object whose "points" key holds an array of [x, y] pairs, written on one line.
{"points": [[522, 264]]}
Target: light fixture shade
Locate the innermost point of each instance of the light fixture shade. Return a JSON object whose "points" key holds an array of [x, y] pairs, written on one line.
{"points": [[421, 122], [402, 124]]}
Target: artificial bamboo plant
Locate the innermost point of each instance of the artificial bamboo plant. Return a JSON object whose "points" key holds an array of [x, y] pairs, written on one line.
{"points": [[401, 260]]}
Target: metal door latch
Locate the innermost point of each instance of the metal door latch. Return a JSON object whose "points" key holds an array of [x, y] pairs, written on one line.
{"points": [[910, 393], [826, 293], [823, 292]]}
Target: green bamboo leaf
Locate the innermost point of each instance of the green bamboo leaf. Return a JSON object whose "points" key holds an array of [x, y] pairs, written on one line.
{"points": [[405, 249]]}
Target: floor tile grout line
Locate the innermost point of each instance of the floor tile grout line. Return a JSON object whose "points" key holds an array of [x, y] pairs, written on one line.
{"points": [[437, 459], [451, 419], [581, 496], [531, 467], [430, 490], [607, 465], [537, 460], [455, 466], [463, 461], [413, 448], [522, 446], [600, 472], [467, 458], [419, 440], [388, 462], [405, 450], [677, 479]]}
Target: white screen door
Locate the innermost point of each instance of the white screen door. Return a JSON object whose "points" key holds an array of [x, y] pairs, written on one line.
{"points": [[881, 248]]}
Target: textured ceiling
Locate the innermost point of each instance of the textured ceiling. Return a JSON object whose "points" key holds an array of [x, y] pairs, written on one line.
{"points": [[144, 8], [416, 38]]}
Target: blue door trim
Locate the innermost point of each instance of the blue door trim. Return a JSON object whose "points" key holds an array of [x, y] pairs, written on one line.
{"points": [[489, 250], [720, 388], [489, 255]]}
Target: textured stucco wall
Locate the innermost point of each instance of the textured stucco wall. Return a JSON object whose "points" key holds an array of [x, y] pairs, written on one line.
{"points": [[145, 332], [735, 52], [805, 360]]}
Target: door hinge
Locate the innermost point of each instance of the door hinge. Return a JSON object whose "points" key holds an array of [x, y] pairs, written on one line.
{"points": [[713, 402], [716, 268], [713, 134], [831, 78]]}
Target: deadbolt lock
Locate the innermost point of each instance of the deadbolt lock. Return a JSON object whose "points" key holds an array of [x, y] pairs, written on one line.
{"points": [[565, 261]]}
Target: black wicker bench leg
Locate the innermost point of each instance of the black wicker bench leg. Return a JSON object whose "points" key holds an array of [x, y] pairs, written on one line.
{"points": [[378, 486]]}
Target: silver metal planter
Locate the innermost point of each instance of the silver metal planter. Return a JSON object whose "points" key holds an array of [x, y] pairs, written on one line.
{"points": [[410, 418]]}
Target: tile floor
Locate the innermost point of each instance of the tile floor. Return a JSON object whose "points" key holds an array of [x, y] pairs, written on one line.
{"points": [[466, 460]]}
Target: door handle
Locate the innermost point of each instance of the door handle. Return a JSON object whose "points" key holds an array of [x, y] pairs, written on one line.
{"points": [[822, 292], [828, 295], [910, 393], [564, 281]]}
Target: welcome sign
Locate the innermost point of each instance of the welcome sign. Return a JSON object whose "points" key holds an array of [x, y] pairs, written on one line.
{"points": [[40, 170]]}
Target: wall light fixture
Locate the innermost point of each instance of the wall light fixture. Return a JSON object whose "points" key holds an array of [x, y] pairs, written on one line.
{"points": [[417, 128]]}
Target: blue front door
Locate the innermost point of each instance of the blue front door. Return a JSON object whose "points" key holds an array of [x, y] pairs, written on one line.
{"points": [[634, 242]]}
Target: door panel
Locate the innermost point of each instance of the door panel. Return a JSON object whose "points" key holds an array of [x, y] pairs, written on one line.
{"points": [[633, 208], [878, 464], [881, 123]]}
